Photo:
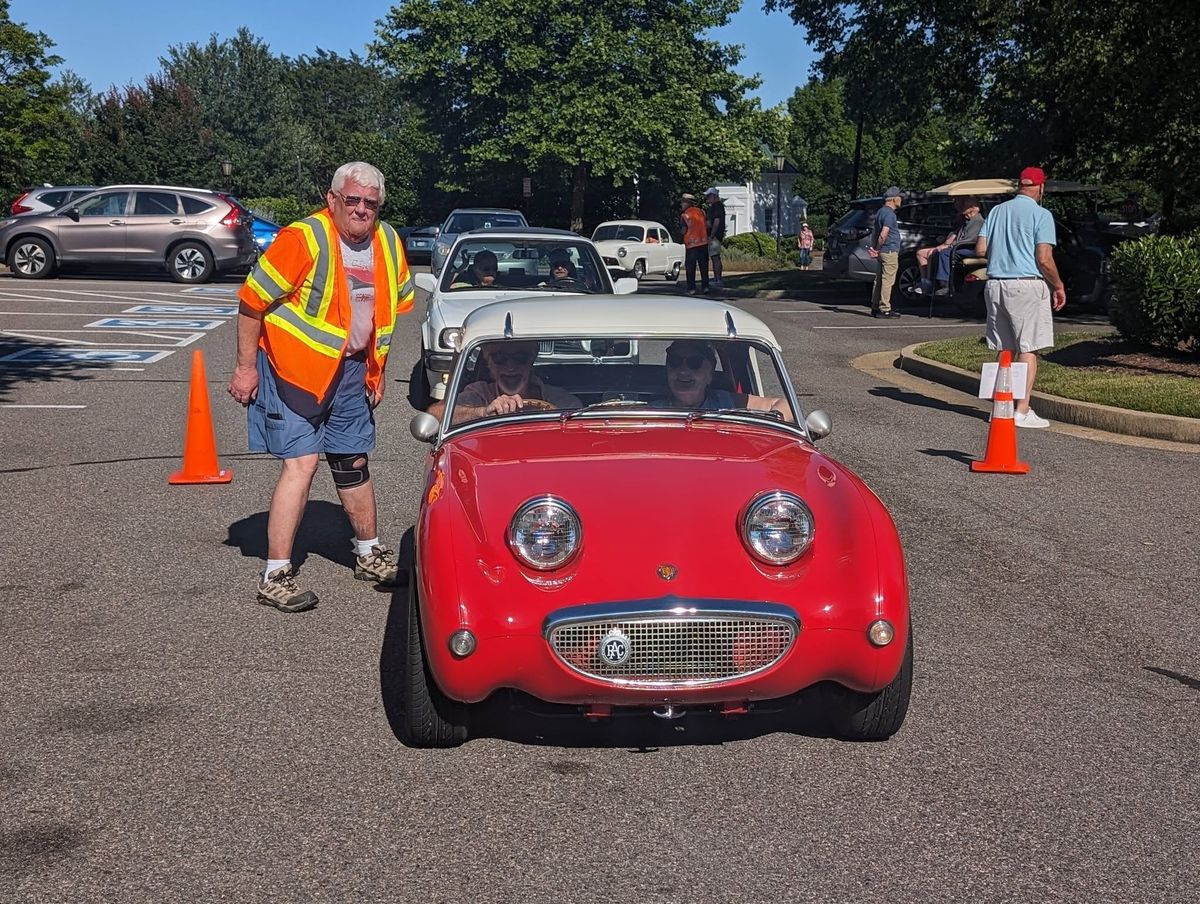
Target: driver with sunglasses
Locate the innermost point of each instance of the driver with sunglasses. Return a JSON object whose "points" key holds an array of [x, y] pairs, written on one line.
{"points": [[513, 386], [691, 364]]}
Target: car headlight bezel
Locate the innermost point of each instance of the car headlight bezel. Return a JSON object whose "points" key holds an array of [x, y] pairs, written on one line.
{"points": [[777, 527], [621, 252], [451, 338], [523, 532]]}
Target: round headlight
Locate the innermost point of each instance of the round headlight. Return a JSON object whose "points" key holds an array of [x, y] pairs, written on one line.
{"points": [[621, 251], [450, 337], [544, 533], [778, 528]]}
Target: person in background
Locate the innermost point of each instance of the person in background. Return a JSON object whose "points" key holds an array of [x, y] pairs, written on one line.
{"points": [[1023, 284], [695, 241], [940, 255], [314, 328], [885, 247], [714, 218], [480, 275], [804, 242]]}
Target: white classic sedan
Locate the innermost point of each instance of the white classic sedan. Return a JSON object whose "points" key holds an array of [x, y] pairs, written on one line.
{"points": [[639, 247], [493, 265]]}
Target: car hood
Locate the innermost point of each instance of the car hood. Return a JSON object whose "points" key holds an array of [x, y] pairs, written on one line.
{"points": [[649, 492]]}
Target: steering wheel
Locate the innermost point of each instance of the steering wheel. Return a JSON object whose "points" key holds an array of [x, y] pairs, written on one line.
{"points": [[565, 282], [537, 405]]}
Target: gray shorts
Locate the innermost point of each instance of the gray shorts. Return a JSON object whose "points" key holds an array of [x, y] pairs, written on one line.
{"points": [[346, 426], [1019, 317], [714, 248]]}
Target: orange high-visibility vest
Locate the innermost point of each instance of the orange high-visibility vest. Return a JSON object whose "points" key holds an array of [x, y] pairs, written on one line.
{"points": [[301, 289]]}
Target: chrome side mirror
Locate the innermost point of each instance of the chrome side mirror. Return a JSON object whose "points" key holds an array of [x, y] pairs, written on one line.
{"points": [[424, 427], [426, 281], [818, 424]]}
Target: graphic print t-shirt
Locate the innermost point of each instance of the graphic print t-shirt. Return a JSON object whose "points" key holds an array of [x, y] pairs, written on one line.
{"points": [[359, 264]]}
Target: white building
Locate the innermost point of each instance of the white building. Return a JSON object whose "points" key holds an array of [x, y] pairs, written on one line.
{"points": [[760, 205]]}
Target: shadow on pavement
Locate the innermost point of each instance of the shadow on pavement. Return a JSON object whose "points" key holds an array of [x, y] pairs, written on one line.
{"points": [[324, 531], [20, 363], [913, 398], [1193, 683]]}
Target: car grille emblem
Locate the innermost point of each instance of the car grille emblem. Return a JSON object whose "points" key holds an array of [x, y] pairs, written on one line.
{"points": [[614, 648], [667, 572]]}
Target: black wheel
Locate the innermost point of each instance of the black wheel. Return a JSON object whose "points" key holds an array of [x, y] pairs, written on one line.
{"points": [[673, 273], [428, 717], [873, 717], [31, 258], [639, 269], [190, 262], [908, 277]]}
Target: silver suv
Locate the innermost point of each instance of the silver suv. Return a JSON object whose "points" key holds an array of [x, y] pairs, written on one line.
{"points": [[466, 219], [192, 232]]}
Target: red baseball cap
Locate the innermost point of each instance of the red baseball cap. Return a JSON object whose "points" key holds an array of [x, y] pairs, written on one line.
{"points": [[1033, 175]]}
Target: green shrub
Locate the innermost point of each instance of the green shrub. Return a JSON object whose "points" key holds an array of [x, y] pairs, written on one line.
{"points": [[1156, 290], [756, 243], [734, 259], [279, 210]]}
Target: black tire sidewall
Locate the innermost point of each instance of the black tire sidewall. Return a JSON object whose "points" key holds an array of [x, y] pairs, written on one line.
{"points": [[209, 266]]}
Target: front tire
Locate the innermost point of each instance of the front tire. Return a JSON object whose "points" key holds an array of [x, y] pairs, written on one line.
{"points": [[190, 262], [673, 273], [873, 717], [428, 717], [31, 258], [639, 270]]}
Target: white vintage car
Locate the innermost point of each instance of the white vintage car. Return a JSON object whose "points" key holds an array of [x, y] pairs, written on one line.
{"points": [[639, 247], [496, 264]]}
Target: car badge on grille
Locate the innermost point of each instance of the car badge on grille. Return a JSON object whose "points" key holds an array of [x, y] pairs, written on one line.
{"points": [[614, 648], [667, 572]]}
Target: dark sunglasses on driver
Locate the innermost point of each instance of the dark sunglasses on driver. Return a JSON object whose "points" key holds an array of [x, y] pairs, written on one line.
{"points": [[691, 362]]}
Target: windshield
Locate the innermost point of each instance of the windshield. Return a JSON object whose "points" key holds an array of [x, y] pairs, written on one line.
{"points": [[620, 232], [533, 264], [585, 376], [465, 222]]}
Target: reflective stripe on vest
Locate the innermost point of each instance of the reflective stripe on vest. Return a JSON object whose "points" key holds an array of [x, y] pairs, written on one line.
{"points": [[307, 321]]}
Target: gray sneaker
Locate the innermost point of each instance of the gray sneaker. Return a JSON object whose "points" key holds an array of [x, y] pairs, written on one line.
{"points": [[279, 589], [379, 565]]}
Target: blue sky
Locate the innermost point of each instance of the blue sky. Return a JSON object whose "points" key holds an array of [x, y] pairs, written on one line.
{"points": [[119, 41]]}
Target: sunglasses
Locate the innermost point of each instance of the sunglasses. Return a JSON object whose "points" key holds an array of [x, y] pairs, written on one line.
{"points": [[488, 271], [352, 201], [503, 358], [691, 362], [560, 266]]}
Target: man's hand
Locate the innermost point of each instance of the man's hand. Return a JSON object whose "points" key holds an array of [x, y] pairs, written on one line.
{"points": [[1058, 298], [504, 404], [243, 385], [374, 398], [873, 251]]}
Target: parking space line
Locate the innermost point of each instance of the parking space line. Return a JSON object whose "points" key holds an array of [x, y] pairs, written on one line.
{"points": [[22, 334], [180, 341], [5, 405], [882, 326]]}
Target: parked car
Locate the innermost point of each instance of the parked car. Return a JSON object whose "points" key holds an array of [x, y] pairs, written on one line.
{"points": [[48, 197], [639, 247], [567, 554], [264, 232], [418, 242], [523, 263], [466, 219], [191, 232]]}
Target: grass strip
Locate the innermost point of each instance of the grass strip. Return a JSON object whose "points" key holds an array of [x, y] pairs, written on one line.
{"points": [[1157, 393]]}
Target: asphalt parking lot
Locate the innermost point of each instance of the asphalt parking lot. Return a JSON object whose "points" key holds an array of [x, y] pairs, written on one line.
{"points": [[164, 738]]}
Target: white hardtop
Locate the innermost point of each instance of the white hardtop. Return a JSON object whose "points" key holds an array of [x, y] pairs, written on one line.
{"points": [[613, 315], [643, 223], [985, 187]]}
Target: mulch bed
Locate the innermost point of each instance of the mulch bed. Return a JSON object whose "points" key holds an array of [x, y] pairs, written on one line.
{"points": [[1120, 356]]}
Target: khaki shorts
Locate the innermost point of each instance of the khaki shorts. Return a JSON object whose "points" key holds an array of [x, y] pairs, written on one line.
{"points": [[1019, 316], [714, 248]]}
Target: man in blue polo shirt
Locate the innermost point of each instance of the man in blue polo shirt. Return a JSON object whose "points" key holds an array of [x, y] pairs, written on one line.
{"points": [[1023, 283], [885, 247]]}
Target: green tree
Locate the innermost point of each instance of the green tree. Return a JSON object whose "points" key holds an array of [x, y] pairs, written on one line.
{"points": [[569, 92], [36, 124]]}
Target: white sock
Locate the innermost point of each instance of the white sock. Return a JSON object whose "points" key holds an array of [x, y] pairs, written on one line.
{"points": [[275, 565], [364, 547]]}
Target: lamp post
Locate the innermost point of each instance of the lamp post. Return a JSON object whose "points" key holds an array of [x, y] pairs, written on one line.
{"points": [[227, 171], [779, 161]]}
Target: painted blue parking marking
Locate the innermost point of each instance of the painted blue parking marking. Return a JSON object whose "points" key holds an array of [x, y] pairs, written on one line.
{"points": [[89, 355], [210, 310], [135, 323], [212, 290]]}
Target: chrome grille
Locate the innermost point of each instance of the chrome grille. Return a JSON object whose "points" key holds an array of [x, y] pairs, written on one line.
{"points": [[666, 650]]}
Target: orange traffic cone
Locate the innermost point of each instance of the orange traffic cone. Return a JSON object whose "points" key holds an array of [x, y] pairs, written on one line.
{"points": [[199, 443], [1001, 455]]}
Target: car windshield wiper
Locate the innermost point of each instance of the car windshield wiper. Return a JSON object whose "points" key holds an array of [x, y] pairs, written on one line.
{"points": [[609, 404]]}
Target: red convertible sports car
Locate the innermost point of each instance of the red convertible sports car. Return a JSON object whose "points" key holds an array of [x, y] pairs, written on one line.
{"points": [[625, 509]]}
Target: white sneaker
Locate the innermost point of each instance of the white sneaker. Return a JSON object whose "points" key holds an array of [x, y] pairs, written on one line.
{"points": [[1030, 419]]}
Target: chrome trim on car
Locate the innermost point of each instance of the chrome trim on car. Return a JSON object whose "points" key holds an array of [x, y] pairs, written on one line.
{"points": [[673, 642]]}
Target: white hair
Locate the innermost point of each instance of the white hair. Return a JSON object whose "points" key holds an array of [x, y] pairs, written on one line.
{"points": [[360, 173]]}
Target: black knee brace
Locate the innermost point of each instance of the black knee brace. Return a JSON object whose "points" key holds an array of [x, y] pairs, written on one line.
{"points": [[346, 475]]}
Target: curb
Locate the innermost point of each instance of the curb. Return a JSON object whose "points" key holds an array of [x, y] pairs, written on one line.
{"points": [[1071, 411]]}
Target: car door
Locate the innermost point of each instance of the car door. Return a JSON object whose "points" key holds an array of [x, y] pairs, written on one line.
{"points": [[99, 233], [155, 220]]}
